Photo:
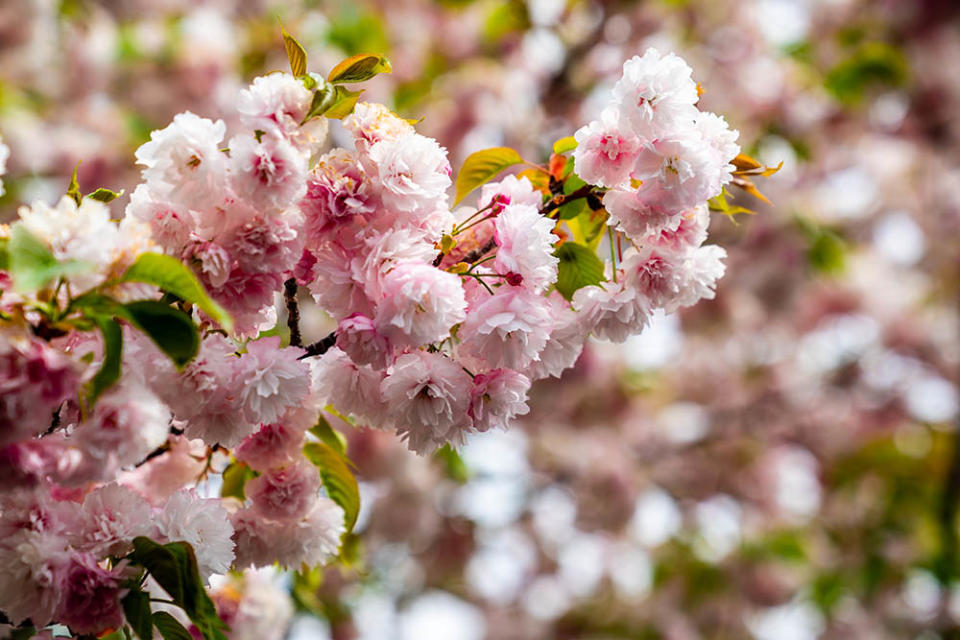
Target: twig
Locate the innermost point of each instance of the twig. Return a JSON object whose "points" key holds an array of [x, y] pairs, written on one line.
{"points": [[293, 312], [54, 423], [159, 451], [320, 347], [476, 254], [156, 453], [560, 199]]}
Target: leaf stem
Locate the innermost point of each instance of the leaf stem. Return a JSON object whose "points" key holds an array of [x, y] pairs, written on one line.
{"points": [[457, 228], [613, 254]]}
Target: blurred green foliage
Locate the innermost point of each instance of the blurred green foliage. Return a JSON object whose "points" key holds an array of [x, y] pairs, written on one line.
{"points": [[871, 64]]}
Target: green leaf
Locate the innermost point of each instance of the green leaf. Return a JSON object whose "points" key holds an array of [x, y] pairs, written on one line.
{"points": [[323, 99], [32, 266], [358, 68], [171, 275], [163, 565], [481, 166], [329, 436], [171, 329], [136, 607], [874, 63], [169, 627], [310, 81], [572, 209], [235, 477], [343, 106], [452, 463], [105, 195], [296, 54], [827, 252], [23, 633], [174, 567], [565, 144], [73, 189], [305, 588], [588, 227], [109, 371], [505, 18], [332, 101], [828, 590], [722, 204], [355, 27], [572, 182], [579, 267], [339, 481]]}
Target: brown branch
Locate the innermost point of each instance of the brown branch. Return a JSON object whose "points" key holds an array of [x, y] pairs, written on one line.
{"points": [[293, 312], [560, 199], [320, 347], [54, 423], [162, 449], [476, 254]]}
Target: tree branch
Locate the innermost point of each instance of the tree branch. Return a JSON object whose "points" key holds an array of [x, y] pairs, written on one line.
{"points": [[560, 199], [320, 347], [293, 312]]}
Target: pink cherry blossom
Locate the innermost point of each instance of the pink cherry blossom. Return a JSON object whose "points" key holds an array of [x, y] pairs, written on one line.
{"points": [[184, 162], [286, 492], [338, 193], [275, 102], [678, 172], [310, 541], [525, 246], [612, 310], [656, 93], [270, 172], [34, 380], [271, 380], [637, 217], [497, 397], [371, 123], [358, 337], [412, 171], [420, 304], [273, 445], [565, 343], [510, 190], [506, 330], [606, 150], [428, 395], [201, 522], [352, 388], [91, 596], [655, 273], [112, 516]]}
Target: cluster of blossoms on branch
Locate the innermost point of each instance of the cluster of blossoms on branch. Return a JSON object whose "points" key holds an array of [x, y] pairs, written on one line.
{"points": [[140, 357], [439, 346]]}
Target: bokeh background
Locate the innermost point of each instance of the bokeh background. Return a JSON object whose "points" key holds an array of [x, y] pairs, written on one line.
{"points": [[779, 463]]}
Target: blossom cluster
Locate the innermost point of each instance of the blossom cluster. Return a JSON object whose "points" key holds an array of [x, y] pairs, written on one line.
{"points": [[438, 350], [54, 542], [444, 318], [662, 159]]}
